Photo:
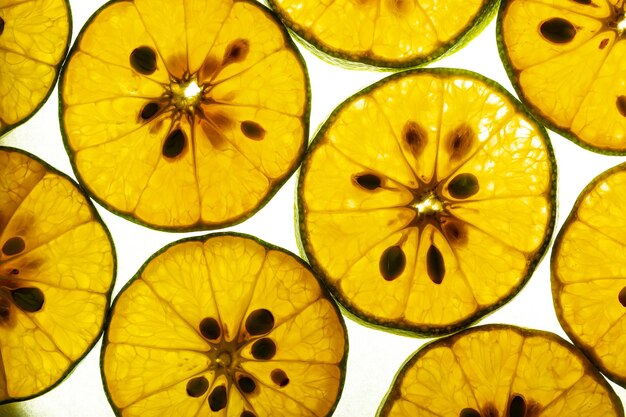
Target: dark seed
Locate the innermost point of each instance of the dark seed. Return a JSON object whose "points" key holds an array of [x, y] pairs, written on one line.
{"points": [[210, 328], [260, 322], [415, 137], [621, 105], [583, 2], [460, 141], [218, 398], [1, 25], [558, 30], [517, 407], [622, 296], [392, 263], [463, 186], [279, 377], [196, 387], [455, 232], [149, 110], [252, 130], [435, 265], [237, 51], [174, 144], [469, 412], [247, 413], [29, 299], [13, 246], [143, 60], [368, 181], [246, 384], [603, 43], [264, 349], [5, 309]]}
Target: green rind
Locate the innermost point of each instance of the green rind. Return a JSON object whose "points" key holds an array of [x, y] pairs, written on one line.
{"points": [[58, 67], [393, 393], [556, 286], [197, 226], [97, 217], [389, 325], [203, 238], [367, 62]]}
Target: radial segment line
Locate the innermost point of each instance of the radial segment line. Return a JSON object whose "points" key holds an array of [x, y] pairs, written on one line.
{"points": [[412, 276], [17, 3], [248, 301], [467, 381], [463, 274], [594, 229], [28, 57], [509, 246], [295, 313], [563, 393], [421, 407], [34, 320], [194, 155], [114, 64], [616, 322], [210, 280], [559, 8], [174, 350]]}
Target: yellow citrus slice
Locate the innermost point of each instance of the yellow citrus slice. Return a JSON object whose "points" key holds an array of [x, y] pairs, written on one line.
{"points": [[56, 271], [500, 371], [427, 200], [589, 273], [567, 61], [386, 33], [184, 115], [224, 325], [34, 37]]}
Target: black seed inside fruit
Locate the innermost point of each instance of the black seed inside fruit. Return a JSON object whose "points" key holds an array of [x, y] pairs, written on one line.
{"points": [[210, 328], [368, 181], [196, 387], [246, 384], [280, 378], [621, 105], [558, 30], [143, 60], [218, 398], [392, 263], [264, 349], [259, 322], [469, 412], [435, 265], [1, 25], [415, 137], [5, 310], [237, 51], [603, 43], [175, 143], [252, 130], [455, 232], [13, 246], [247, 413], [460, 141], [463, 186], [517, 407], [149, 110], [583, 2], [622, 296], [28, 299]]}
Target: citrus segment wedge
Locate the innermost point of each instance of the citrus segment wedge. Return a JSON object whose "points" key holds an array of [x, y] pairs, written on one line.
{"points": [[184, 115], [589, 273], [34, 37], [427, 200], [56, 271], [224, 325], [498, 370], [567, 60]]}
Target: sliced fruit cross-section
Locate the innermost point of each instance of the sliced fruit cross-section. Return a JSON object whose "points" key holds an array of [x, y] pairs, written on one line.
{"points": [[427, 200], [228, 326]]}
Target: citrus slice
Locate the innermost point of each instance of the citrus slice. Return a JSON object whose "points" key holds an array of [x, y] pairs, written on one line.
{"points": [[589, 273], [567, 61], [224, 325], [386, 33], [500, 371], [34, 37], [56, 271], [184, 115], [427, 200]]}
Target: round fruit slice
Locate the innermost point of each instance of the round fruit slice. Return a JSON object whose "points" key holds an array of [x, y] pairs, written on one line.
{"points": [[589, 273], [386, 33], [56, 273], [500, 371], [567, 61], [184, 115], [427, 200], [34, 37], [224, 325]]}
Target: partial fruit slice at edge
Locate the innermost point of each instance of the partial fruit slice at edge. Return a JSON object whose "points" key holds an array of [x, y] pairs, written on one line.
{"points": [[224, 325], [427, 200], [184, 115], [498, 370], [567, 61], [56, 273], [386, 33], [34, 37], [589, 273]]}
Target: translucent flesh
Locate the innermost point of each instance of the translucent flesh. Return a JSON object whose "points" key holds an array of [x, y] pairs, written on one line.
{"points": [[68, 256], [484, 368], [154, 345], [221, 174]]}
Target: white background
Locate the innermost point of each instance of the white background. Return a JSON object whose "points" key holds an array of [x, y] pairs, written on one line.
{"points": [[374, 356]]}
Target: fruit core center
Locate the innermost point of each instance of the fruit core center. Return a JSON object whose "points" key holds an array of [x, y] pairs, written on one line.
{"points": [[621, 25], [186, 94], [224, 359], [428, 205]]}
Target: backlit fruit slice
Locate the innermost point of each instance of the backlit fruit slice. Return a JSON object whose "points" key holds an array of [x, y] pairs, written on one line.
{"points": [[589, 273], [386, 33], [500, 371], [56, 272], [567, 61], [184, 115], [224, 325], [427, 200], [34, 37]]}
